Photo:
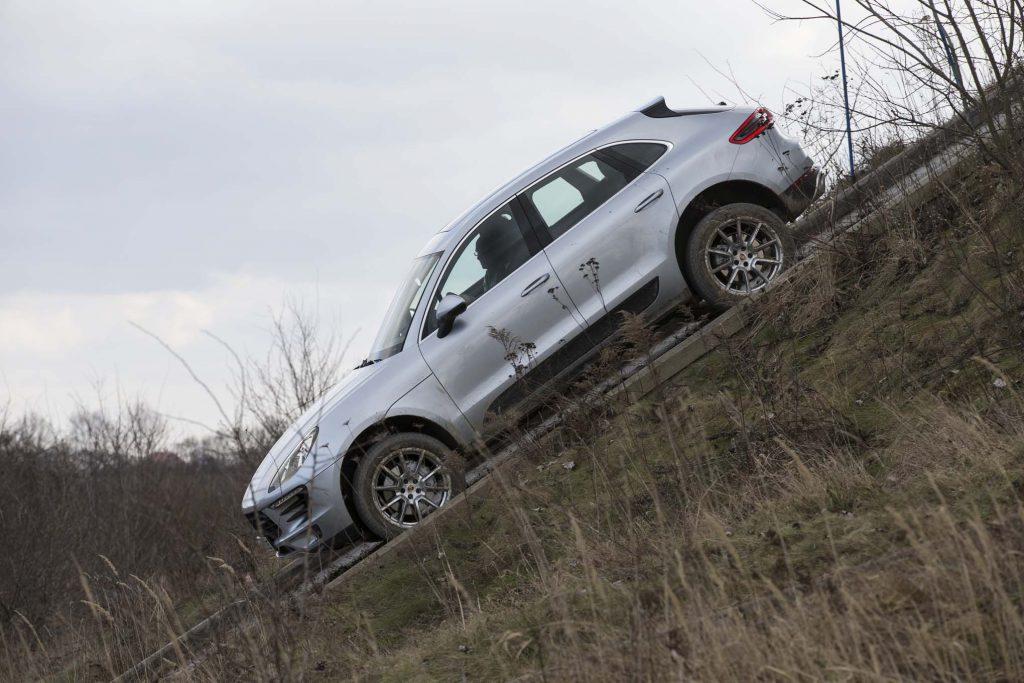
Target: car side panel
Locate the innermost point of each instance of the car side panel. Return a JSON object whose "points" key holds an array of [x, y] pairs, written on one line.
{"points": [[401, 373], [430, 401], [697, 164], [473, 364], [758, 162], [626, 247]]}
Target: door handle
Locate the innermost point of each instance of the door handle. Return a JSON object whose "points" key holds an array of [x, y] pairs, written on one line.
{"points": [[536, 283], [650, 199]]}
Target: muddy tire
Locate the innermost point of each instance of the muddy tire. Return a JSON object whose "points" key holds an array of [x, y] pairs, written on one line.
{"points": [[735, 251], [404, 478]]}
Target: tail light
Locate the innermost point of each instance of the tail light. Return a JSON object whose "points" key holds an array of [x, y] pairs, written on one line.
{"points": [[757, 123]]}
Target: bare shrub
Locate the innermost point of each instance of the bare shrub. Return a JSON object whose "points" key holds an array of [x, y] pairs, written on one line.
{"points": [[123, 536], [949, 66]]}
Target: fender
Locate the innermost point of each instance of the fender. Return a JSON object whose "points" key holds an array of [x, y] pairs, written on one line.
{"points": [[428, 400]]}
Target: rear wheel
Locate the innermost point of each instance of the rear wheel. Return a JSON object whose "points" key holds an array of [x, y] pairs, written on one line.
{"points": [[403, 479], [737, 250]]}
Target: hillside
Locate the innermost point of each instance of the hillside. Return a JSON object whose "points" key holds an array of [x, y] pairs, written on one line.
{"points": [[834, 492]]}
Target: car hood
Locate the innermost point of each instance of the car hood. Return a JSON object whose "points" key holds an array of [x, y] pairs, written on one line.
{"points": [[284, 446]]}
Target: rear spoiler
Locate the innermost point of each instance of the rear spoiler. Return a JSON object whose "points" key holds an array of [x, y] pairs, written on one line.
{"points": [[657, 109]]}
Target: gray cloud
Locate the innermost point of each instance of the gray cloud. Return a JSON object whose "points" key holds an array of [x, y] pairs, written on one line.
{"points": [[172, 149]]}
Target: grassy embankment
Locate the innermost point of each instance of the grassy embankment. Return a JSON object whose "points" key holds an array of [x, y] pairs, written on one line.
{"points": [[837, 491]]}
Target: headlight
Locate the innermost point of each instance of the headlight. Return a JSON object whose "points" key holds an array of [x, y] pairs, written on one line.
{"points": [[294, 461]]}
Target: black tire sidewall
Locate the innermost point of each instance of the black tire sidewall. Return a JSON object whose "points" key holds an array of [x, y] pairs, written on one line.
{"points": [[703, 282], [362, 487]]}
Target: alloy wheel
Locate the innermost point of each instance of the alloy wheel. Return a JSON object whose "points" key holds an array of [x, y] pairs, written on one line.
{"points": [[744, 255], [409, 484]]}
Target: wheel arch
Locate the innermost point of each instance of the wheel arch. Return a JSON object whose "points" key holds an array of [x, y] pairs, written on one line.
{"points": [[392, 424], [720, 194]]}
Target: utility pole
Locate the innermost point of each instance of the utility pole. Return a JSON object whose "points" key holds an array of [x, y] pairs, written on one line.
{"points": [[954, 65], [846, 92]]}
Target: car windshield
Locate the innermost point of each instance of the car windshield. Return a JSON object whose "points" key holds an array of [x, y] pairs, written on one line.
{"points": [[395, 327]]}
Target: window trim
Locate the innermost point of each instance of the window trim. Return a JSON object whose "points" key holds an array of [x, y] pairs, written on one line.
{"points": [[541, 228], [533, 244]]}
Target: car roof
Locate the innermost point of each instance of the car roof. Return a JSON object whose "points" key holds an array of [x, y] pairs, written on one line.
{"points": [[644, 123], [456, 229]]}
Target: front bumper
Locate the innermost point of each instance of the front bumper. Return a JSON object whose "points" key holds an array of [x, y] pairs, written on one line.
{"points": [[805, 190], [306, 517]]}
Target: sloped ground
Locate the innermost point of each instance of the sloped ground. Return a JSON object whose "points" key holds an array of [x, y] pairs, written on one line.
{"points": [[836, 492]]}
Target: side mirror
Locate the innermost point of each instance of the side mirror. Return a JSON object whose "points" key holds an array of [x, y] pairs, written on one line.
{"points": [[450, 308]]}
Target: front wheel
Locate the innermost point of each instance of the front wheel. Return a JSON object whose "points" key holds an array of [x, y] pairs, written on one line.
{"points": [[736, 250], [404, 478]]}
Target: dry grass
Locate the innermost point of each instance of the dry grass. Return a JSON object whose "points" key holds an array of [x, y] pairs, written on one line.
{"points": [[835, 493], [114, 543], [108, 540]]}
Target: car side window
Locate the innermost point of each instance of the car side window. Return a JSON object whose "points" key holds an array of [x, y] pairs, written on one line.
{"points": [[640, 155], [493, 251], [563, 199], [556, 200]]}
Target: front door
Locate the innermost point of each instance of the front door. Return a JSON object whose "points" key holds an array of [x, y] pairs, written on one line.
{"points": [[516, 319]]}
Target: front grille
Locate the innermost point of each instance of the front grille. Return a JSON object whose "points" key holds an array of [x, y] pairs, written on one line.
{"points": [[264, 526], [291, 510], [295, 506]]}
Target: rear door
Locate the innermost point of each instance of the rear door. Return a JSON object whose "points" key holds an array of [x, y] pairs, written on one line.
{"points": [[606, 226]]}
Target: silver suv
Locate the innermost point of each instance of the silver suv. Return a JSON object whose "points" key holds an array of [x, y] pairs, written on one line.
{"points": [[656, 208]]}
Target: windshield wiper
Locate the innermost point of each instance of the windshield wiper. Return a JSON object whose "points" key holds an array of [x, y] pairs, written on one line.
{"points": [[367, 362]]}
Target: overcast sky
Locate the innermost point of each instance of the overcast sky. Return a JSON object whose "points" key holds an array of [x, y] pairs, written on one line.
{"points": [[190, 165]]}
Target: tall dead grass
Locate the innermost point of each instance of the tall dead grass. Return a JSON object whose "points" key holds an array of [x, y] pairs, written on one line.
{"points": [[835, 493], [119, 537]]}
